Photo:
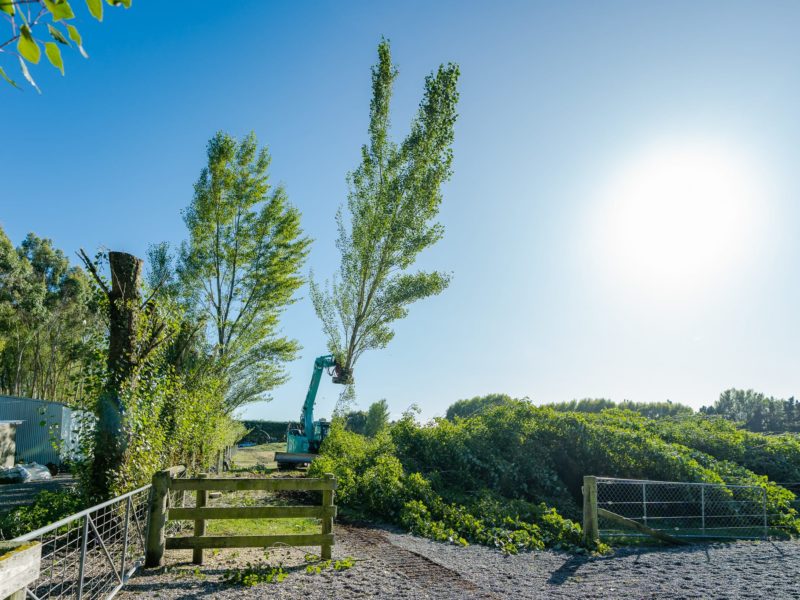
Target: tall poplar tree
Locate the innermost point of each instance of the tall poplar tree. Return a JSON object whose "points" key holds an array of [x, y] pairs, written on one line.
{"points": [[393, 201], [241, 264]]}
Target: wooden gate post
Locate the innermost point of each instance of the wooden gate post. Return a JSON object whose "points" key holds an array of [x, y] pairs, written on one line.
{"points": [[327, 519], [591, 532], [156, 539], [200, 524]]}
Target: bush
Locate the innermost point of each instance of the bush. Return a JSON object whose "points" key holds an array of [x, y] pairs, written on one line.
{"points": [[511, 476], [47, 508]]}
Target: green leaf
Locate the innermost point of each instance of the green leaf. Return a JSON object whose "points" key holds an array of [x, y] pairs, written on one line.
{"points": [[27, 46], [27, 74], [8, 8], [54, 56], [96, 8], [60, 9], [125, 3], [76, 37], [8, 79], [57, 35]]}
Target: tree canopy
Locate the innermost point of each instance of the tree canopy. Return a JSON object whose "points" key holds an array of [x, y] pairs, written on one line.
{"points": [[393, 201], [240, 267]]}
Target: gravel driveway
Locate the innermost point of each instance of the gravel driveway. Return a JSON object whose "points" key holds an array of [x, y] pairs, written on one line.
{"points": [[392, 565]]}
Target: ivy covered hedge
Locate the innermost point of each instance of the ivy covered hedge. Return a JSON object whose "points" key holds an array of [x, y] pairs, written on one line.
{"points": [[511, 476]]}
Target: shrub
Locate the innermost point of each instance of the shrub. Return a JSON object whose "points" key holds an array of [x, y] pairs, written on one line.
{"points": [[47, 507]]}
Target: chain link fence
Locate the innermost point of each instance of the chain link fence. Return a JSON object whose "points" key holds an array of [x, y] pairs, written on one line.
{"points": [[89, 555], [686, 510]]}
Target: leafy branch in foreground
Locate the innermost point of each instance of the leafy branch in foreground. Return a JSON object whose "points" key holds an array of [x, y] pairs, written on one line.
{"points": [[29, 20], [394, 199]]}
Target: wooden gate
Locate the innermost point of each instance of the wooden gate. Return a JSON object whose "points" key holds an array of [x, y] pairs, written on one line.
{"points": [[161, 512]]}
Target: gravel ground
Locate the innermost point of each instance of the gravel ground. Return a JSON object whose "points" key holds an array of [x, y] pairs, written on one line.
{"points": [[391, 565]]}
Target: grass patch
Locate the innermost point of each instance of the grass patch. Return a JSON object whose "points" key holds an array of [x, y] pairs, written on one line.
{"points": [[263, 454], [262, 526]]}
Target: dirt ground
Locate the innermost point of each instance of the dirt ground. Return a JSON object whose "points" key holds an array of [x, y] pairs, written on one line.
{"points": [[394, 565]]}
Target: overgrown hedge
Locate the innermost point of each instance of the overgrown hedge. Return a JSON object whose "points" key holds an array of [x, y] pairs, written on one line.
{"points": [[511, 476]]}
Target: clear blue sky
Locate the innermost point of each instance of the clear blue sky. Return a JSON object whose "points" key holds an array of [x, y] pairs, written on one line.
{"points": [[575, 275]]}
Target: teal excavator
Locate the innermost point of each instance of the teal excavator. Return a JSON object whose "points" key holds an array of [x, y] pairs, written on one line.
{"points": [[303, 440]]}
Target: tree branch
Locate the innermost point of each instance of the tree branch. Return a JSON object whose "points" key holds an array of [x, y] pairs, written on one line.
{"points": [[93, 270]]}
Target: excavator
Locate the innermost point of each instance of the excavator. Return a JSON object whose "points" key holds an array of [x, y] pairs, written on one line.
{"points": [[303, 440]]}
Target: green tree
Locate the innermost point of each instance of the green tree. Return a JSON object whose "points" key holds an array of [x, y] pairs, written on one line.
{"points": [[393, 201], [47, 321], [476, 406], [241, 264], [377, 418], [356, 421], [37, 24]]}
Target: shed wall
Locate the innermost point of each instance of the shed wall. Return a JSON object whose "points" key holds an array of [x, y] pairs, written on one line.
{"points": [[46, 434]]}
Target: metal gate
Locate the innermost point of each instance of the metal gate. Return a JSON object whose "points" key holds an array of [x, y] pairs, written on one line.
{"points": [[91, 554]]}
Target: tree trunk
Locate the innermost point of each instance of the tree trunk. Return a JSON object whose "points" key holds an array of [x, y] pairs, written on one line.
{"points": [[124, 308]]}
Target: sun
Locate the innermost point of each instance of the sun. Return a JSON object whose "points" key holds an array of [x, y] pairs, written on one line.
{"points": [[678, 215]]}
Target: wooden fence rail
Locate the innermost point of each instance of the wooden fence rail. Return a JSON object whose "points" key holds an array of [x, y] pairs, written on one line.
{"points": [[161, 512]]}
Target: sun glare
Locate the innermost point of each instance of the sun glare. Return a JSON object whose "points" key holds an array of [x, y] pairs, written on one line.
{"points": [[679, 215]]}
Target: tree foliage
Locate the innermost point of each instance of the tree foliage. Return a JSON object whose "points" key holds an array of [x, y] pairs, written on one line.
{"points": [[48, 322], [757, 412], [475, 406], [37, 24], [652, 410], [393, 201], [377, 418], [240, 267], [356, 421]]}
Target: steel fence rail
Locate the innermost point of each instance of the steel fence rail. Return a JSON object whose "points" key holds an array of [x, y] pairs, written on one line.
{"points": [[687, 509], [91, 554]]}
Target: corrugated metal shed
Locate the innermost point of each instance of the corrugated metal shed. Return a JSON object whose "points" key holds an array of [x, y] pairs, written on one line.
{"points": [[48, 433]]}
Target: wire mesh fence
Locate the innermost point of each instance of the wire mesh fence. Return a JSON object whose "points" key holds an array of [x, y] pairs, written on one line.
{"points": [[89, 555], [687, 510]]}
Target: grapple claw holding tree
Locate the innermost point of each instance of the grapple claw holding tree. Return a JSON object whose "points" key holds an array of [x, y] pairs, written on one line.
{"points": [[394, 199]]}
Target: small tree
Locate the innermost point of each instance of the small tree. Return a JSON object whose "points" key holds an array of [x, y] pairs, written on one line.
{"points": [[377, 418], [241, 264], [394, 199]]}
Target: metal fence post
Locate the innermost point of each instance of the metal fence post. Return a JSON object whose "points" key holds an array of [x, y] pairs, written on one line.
{"points": [[703, 506], [82, 564], [125, 538], [644, 502], [764, 508]]}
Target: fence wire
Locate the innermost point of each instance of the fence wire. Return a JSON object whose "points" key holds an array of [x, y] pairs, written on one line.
{"points": [[90, 555], [690, 510]]}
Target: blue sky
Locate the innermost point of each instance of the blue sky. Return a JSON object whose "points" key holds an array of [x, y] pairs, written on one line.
{"points": [[567, 284]]}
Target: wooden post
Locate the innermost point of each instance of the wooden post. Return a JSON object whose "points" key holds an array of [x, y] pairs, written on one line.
{"points": [[327, 520], [591, 532], [219, 462], [156, 539], [200, 524]]}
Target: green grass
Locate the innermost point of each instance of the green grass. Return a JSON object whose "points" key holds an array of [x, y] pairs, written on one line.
{"points": [[262, 526], [264, 454]]}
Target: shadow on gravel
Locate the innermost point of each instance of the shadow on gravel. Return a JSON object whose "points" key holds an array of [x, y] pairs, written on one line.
{"points": [[571, 566]]}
